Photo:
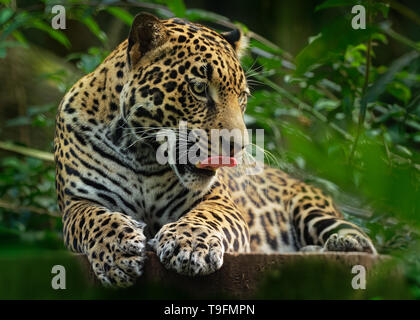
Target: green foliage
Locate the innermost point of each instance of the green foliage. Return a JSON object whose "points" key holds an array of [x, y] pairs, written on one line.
{"points": [[334, 115], [351, 122], [330, 45], [37, 116], [121, 14], [176, 6], [87, 62]]}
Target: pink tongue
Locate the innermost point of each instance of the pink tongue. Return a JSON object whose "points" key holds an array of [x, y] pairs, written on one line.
{"points": [[217, 162]]}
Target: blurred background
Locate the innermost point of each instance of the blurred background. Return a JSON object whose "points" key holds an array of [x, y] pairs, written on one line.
{"points": [[340, 108]]}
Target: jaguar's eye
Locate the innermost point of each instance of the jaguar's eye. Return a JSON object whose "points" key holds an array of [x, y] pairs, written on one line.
{"points": [[199, 89]]}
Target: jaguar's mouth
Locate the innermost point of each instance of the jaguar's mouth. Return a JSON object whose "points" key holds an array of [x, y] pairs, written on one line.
{"points": [[209, 166], [217, 162]]}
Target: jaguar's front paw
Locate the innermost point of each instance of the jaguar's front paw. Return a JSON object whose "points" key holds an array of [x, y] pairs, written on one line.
{"points": [[349, 242], [118, 254], [189, 251]]}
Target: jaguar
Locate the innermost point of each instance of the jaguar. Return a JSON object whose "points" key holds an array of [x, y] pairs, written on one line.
{"points": [[117, 200]]}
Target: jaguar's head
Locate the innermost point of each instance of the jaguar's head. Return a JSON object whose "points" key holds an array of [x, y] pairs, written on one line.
{"points": [[185, 81]]}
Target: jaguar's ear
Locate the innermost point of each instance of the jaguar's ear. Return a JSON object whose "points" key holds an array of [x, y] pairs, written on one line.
{"points": [[147, 33], [238, 41]]}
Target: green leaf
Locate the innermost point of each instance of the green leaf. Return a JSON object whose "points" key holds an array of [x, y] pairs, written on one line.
{"points": [[121, 14], [90, 60], [380, 6], [270, 64], [374, 6], [19, 20], [336, 3], [399, 91], [386, 28], [55, 34], [381, 84], [19, 121], [35, 110], [380, 37], [5, 15], [176, 6], [94, 28], [256, 44], [89, 63], [20, 37], [326, 104], [199, 14], [333, 42]]}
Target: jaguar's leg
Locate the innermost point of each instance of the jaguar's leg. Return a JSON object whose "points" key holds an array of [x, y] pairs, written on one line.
{"points": [[113, 242], [195, 244], [320, 227]]}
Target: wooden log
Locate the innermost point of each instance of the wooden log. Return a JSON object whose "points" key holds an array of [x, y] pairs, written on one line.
{"points": [[241, 274]]}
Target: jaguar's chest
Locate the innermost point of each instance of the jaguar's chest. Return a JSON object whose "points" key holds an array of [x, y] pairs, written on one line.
{"points": [[165, 200]]}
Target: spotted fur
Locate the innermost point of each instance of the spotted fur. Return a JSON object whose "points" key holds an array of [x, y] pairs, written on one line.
{"points": [[116, 199]]}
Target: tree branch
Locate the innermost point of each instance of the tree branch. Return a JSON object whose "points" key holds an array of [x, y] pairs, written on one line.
{"points": [[42, 155]]}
